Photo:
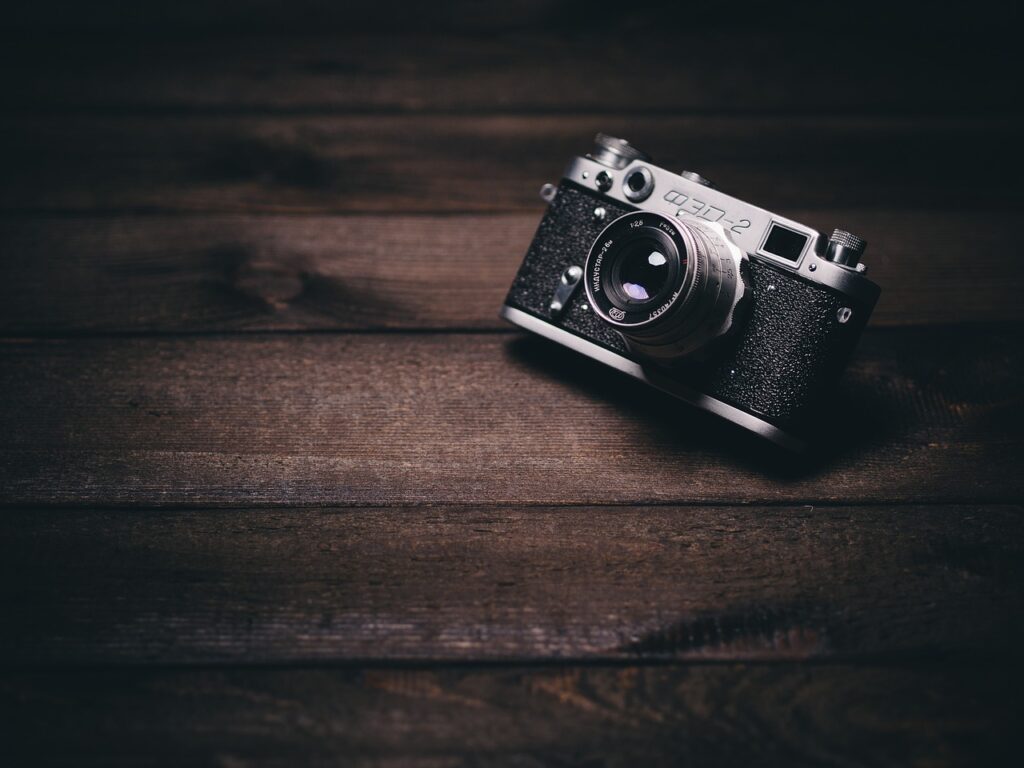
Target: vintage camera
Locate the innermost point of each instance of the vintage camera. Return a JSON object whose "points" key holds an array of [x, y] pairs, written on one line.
{"points": [[729, 307]]}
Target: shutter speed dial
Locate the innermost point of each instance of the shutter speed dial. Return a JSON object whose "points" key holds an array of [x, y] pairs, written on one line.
{"points": [[697, 179], [615, 153]]}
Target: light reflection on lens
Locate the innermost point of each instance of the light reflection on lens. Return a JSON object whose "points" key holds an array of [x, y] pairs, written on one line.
{"points": [[635, 292]]}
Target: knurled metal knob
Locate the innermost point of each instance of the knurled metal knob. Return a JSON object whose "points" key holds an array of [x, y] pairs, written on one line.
{"points": [[845, 248], [614, 152], [697, 178]]}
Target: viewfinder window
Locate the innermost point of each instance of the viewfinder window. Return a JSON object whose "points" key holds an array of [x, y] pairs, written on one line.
{"points": [[784, 243]]}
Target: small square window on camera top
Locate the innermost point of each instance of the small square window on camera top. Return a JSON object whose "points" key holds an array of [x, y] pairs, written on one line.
{"points": [[784, 243]]}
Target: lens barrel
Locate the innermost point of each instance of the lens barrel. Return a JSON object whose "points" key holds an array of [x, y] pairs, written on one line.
{"points": [[669, 286]]}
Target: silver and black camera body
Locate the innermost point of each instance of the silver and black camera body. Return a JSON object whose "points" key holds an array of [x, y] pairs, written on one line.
{"points": [[727, 306]]}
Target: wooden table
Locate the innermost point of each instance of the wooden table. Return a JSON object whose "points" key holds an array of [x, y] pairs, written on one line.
{"points": [[279, 487]]}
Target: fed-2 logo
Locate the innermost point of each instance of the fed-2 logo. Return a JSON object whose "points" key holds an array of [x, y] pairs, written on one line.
{"points": [[691, 206]]}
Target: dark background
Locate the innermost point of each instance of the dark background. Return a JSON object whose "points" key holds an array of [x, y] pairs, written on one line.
{"points": [[278, 487]]}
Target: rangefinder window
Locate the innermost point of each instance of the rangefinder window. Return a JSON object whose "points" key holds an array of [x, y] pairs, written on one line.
{"points": [[784, 243]]}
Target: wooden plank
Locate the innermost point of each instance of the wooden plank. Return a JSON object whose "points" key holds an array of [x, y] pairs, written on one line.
{"points": [[795, 28], [444, 163], [595, 583], [925, 415], [272, 273], [716, 715], [198, 16], [534, 70]]}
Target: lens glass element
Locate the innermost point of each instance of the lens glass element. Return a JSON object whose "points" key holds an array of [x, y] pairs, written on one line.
{"points": [[642, 270]]}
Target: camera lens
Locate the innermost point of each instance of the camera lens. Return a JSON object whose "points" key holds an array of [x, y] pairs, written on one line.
{"points": [[668, 286], [642, 270]]}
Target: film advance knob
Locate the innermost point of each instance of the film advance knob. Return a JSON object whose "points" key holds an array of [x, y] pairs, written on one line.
{"points": [[845, 248]]}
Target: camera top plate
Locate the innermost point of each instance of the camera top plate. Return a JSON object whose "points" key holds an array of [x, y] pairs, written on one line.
{"points": [[754, 230]]}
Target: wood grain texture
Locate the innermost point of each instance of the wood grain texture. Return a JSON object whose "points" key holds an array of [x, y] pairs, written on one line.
{"points": [[459, 164], [553, 71], [719, 715], [273, 273], [444, 584], [384, 532], [230, 547], [886, 20], [200, 16], [390, 419]]}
